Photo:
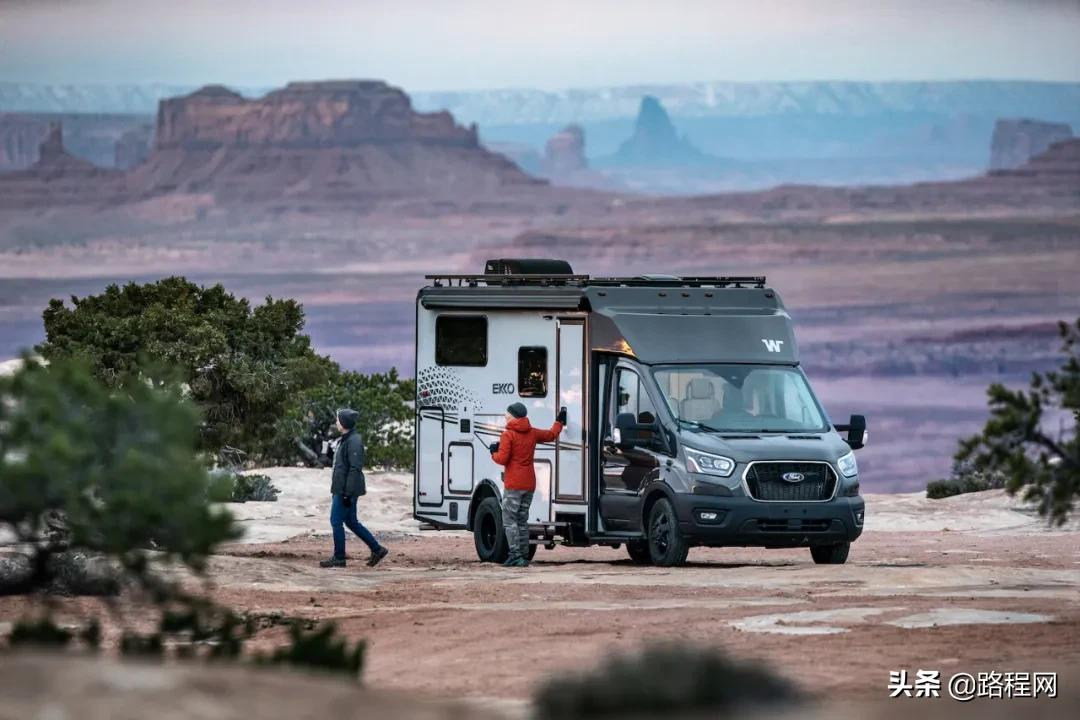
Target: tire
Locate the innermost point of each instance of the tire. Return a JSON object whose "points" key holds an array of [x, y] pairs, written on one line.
{"points": [[532, 551], [667, 546], [639, 552], [830, 554], [488, 534]]}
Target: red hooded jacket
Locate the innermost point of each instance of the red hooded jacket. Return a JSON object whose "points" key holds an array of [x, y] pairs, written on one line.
{"points": [[516, 448]]}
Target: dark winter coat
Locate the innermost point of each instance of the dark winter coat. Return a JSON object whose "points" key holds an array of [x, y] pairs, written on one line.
{"points": [[348, 477]]}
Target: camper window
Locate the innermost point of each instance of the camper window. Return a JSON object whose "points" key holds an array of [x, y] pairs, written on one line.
{"points": [[461, 340], [532, 372]]}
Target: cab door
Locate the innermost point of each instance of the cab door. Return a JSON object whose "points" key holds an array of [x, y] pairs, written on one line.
{"points": [[625, 469]]}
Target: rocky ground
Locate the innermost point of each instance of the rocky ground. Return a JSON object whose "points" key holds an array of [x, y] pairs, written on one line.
{"points": [[972, 583]]}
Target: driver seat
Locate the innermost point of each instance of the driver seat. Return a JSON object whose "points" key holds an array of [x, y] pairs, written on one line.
{"points": [[700, 403]]}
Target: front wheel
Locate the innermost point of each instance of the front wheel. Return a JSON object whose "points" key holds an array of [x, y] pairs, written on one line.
{"points": [[667, 546], [830, 554], [488, 534]]}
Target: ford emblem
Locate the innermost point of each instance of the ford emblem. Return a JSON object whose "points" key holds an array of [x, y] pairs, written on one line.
{"points": [[793, 477]]}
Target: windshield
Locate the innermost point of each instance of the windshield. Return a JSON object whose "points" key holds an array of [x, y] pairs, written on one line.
{"points": [[740, 398]]}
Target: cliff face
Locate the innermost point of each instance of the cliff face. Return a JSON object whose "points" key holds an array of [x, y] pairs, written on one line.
{"points": [[133, 147], [90, 137], [564, 152], [322, 141], [655, 142], [316, 114], [20, 136], [1015, 141]]}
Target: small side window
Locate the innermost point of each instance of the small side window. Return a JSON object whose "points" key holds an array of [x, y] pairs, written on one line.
{"points": [[461, 340], [532, 372]]}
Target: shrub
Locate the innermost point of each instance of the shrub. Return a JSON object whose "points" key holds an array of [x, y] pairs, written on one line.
{"points": [[1016, 444], [385, 403], [964, 478], [254, 488], [662, 681], [101, 472], [238, 364]]}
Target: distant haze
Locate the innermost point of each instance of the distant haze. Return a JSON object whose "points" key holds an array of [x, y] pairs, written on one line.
{"points": [[469, 44]]}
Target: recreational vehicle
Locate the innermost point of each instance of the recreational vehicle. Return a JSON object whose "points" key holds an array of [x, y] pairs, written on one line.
{"points": [[690, 423]]}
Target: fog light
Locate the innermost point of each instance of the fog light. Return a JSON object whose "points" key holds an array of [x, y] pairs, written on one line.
{"points": [[859, 518], [709, 516]]}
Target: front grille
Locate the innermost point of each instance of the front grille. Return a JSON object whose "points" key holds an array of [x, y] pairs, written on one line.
{"points": [[765, 481]]}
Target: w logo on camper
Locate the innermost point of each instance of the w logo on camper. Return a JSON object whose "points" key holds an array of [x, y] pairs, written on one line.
{"points": [[773, 345]]}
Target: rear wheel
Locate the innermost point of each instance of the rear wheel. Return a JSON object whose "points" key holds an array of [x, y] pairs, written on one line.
{"points": [[667, 546], [830, 554], [488, 534], [639, 551]]}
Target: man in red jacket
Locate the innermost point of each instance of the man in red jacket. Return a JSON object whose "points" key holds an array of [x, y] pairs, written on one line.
{"points": [[515, 450]]}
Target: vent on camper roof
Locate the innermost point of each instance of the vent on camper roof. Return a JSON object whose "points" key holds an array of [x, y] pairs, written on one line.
{"points": [[527, 266]]}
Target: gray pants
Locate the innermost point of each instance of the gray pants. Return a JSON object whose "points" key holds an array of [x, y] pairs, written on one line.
{"points": [[515, 517]]}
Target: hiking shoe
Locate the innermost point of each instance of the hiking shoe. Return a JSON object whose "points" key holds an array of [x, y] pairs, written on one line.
{"points": [[516, 562], [377, 556], [510, 562], [332, 562]]}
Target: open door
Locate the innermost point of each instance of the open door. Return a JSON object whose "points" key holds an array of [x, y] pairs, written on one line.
{"points": [[570, 391]]}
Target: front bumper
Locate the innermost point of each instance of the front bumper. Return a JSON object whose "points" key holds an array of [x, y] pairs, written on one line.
{"points": [[743, 521]]}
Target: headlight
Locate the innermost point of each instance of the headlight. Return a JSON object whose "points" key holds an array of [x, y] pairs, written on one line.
{"points": [[699, 462], [847, 465]]}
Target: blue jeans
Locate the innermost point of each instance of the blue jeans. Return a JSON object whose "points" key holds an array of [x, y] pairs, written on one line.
{"points": [[342, 517]]}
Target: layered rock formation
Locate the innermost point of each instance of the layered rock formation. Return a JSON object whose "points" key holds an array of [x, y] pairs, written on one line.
{"points": [[1015, 141], [133, 147], [20, 136], [90, 137], [655, 142], [564, 152], [57, 178], [325, 141]]}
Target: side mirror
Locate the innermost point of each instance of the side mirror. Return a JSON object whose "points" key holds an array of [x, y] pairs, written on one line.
{"points": [[856, 431]]}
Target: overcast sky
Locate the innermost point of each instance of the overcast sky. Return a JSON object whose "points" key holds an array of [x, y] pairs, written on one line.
{"points": [[550, 44]]}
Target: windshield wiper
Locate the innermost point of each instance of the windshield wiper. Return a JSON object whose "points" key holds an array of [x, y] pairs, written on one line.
{"points": [[741, 431], [695, 425]]}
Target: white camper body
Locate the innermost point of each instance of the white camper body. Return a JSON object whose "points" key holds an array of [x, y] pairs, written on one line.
{"points": [[537, 358]]}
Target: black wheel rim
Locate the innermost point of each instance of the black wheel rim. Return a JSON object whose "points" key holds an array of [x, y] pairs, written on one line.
{"points": [[660, 532], [488, 532]]}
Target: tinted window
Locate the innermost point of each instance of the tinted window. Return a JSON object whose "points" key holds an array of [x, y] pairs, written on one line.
{"points": [[461, 340], [632, 397], [532, 372]]}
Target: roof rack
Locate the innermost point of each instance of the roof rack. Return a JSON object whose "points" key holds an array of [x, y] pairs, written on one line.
{"points": [[735, 281]]}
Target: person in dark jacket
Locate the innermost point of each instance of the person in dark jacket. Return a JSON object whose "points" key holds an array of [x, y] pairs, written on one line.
{"points": [[347, 484], [516, 449]]}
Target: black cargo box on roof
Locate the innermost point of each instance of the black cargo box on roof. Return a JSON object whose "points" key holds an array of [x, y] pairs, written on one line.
{"points": [[527, 266]]}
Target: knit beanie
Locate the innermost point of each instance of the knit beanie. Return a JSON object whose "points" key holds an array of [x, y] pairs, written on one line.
{"points": [[347, 418], [517, 410]]}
